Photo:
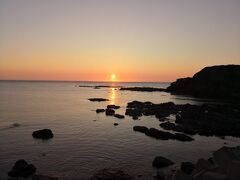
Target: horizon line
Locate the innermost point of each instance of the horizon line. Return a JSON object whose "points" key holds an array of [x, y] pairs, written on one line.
{"points": [[41, 80]]}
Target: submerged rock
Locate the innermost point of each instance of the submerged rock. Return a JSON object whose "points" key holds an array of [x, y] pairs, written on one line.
{"points": [[111, 174], [115, 124], [161, 162], [98, 99], [22, 169], [43, 134]]}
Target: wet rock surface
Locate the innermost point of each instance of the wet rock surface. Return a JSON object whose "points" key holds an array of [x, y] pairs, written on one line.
{"points": [[22, 169], [43, 134], [161, 162], [111, 174]]}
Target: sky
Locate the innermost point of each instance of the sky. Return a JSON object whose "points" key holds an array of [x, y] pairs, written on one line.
{"points": [[138, 40]]}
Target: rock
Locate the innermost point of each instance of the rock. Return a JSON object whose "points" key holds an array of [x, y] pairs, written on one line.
{"points": [[100, 110], [142, 89], [234, 170], [214, 176], [142, 129], [167, 126], [98, 99], [133, 112], [224, 156], [115, 124], [43, 177], [159, 134], [22, 169], [119, 116], [110, 112], [43, 134], [111, 174], [182, 137], [180, 175], [160, 162], [111, 106], [135, 118], [211, 82], [187, 167], [202, 165]]}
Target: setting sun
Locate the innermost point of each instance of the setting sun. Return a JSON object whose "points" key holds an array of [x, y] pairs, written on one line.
{"points": [[113, 77]]}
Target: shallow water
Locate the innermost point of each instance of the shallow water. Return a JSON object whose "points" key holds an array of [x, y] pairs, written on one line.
{"points": [[84, 141]]}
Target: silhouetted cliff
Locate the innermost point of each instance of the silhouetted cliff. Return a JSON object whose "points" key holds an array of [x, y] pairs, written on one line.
{"points": [[211, 82]]}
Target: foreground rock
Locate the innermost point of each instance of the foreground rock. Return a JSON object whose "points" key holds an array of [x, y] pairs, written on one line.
{"points": [[98, 99], [111, 174], [22, 169], [43, 177], [161, 162], [225, 165], [142, 89], [210, 82], [43, 134]]}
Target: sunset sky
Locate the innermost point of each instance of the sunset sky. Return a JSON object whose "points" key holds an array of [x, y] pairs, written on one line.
{"points": [[138, 40]]}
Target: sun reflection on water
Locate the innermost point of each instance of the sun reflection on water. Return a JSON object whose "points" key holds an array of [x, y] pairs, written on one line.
{"points": [[112, 96]]}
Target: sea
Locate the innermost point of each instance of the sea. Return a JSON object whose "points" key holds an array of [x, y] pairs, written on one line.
{"points": [[84, 141]]}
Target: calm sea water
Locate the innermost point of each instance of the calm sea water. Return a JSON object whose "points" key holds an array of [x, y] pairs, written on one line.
{"points": [[84, 141]]}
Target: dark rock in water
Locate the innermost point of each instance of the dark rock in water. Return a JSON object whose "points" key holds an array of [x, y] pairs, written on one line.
{"points": [[135, 117], [43, 177], [111, 174], [161, 162], [22, 169], [142, 89], [111, 106], [210, 82], [133, 112], [142, 129], [100, 110], [152, 132], [182, 137], [97, 99], [110, 112], [119, 116], [43, 134], [187, 167], [115, 124]]}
